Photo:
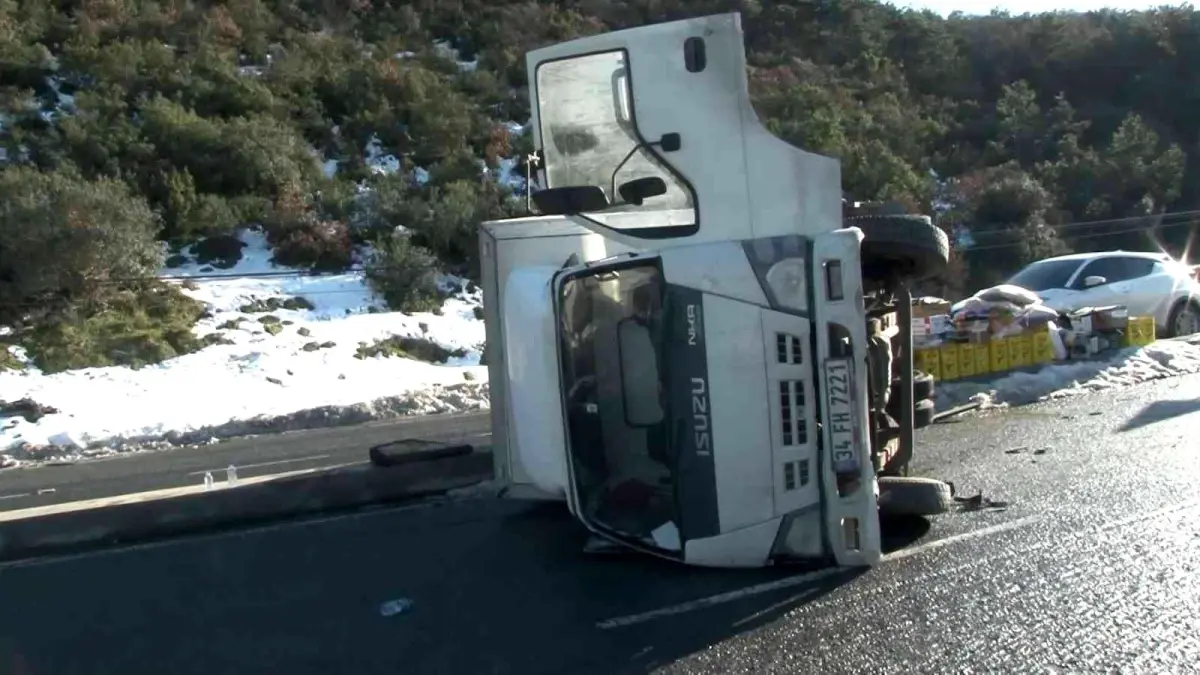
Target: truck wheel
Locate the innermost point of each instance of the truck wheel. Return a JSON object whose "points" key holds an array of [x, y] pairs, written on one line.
{"points": [[923, 413], [905, 496], [922, 386], [901, 246]]}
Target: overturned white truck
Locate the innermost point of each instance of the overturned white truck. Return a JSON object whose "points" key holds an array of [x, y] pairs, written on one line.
{"points": [[695, 347]]}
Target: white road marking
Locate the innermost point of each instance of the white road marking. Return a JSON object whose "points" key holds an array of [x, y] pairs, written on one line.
{"points": [[719, 599], [261, 464], [954, 539], [901, 554], [298, 521], [16, 496]]}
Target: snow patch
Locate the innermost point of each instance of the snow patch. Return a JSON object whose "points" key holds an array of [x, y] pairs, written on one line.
{"points": [[378, 161], [289, 361]]}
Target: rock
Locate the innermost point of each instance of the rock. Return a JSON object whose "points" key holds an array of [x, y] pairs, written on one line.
{"points": [[28, 408], [303, 332]]}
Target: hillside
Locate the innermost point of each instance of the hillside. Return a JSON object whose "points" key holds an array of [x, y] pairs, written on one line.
{"points": [[368, 138]]}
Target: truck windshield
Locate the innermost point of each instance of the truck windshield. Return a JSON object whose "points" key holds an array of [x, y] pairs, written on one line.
{"points": [[611, 333]]}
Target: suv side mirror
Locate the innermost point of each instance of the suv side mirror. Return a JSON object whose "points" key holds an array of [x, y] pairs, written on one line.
{"points": [[1094, 280], [637, 190]]}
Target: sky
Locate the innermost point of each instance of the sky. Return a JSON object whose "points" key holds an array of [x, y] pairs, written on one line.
{"points": [[945, 7]]}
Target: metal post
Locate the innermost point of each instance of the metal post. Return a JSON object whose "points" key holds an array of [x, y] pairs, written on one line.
{"points": [[531, 160], [907, 413]]}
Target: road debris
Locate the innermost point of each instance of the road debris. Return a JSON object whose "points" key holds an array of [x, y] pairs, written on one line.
{"points": [[394, 607], [975, 503]]}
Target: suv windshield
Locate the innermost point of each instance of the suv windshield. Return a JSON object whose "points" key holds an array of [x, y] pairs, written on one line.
{"points": [[1045, 275], [611, 333]]}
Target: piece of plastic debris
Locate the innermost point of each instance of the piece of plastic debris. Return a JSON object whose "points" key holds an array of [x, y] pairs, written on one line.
{"points": [[394, 607], [979, 502], [1014, 451], [208, 480], [231, 475]]}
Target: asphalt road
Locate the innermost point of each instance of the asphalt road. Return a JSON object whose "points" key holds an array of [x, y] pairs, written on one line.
{"points": [[1093, 566], [140, 472]]}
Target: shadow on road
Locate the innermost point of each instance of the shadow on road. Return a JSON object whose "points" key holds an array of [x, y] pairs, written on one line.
{"points": [[491, 586], [1160, 411]]}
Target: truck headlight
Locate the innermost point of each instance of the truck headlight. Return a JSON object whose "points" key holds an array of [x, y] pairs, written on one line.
{"points": [[788, 281]]}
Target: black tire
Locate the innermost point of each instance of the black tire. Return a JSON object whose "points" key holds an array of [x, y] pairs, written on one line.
{"points": [[923, 413], [905, 496], [922, 385], [1173, 326], [901, 247], [411, 451]]}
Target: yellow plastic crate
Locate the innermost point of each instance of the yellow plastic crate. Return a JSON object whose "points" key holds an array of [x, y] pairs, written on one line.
{"points": [[948, 361], [998, 349], [983, 358], [1024, 351], [928, 360], [966, 360], [1043, 348], [1141, 331]]}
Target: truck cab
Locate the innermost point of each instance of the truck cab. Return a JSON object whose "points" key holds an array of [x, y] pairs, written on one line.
{"points": [[678, 345]]}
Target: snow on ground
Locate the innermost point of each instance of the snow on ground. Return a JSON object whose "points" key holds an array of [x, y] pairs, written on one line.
{"points": [[295, 366], [1126, 367], [306, 375]]}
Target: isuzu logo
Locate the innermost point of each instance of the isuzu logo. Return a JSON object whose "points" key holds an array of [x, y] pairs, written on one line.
{"points": [[701, 421]]}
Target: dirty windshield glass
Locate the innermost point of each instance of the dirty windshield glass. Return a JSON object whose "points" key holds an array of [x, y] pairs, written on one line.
{"points": [[612, 337], [585, 107]]}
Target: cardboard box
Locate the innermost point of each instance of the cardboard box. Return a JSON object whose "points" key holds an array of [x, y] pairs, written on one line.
{"points": [[1090, 320], [922, 310]]}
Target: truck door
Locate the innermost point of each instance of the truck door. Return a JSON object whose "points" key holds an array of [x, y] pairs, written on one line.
{"points": [[648, 134]]}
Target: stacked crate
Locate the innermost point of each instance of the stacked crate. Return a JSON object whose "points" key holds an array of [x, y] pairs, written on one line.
{"points": [[954, 361]]}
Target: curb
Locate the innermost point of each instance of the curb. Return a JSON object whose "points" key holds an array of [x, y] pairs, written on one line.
{"points": [[165, 513]]}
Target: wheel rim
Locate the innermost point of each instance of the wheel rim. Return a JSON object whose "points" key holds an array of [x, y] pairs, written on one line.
{"points": [[1186, 321]]}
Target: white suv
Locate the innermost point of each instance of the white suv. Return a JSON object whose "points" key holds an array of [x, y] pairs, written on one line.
{"points": [[1148, 284]]}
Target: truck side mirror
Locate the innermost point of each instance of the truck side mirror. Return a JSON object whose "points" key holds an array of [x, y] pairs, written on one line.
{"points": [[570, 200], [637, 190]]}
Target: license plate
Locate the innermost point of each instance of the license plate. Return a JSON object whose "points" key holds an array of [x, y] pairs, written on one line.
{"points": [[839, 393]]}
